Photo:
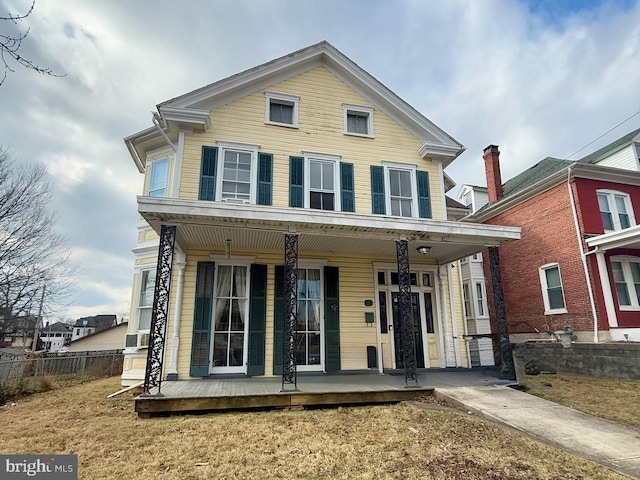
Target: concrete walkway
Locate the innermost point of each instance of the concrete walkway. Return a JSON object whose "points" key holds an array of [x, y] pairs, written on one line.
{"points": [[608, 443]]}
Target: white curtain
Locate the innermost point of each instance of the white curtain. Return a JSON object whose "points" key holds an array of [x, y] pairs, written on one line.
{"points": [[240, 291], [223, 290], [313, 287]]}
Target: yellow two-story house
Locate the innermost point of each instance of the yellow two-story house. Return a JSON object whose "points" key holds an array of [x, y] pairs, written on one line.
{"points": [[293, 215]]}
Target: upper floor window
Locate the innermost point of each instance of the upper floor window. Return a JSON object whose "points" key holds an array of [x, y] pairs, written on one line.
{"points": [[626, 276], [615, 210], [552, 292], [401, 190], [236, 172], [281, 109], [158, 177], [358, 120], [322, 192]]}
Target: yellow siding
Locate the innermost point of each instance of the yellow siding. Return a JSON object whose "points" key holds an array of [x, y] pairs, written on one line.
{"points": [[321, 130]]}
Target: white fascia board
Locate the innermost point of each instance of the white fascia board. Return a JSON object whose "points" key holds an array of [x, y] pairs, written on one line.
{"points": [[448, 182], [180, 211], [616, 239], [142, 142], [195, 119], [446, 153]]}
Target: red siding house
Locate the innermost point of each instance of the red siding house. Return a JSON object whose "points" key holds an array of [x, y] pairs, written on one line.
{"points": [[578, 261]]}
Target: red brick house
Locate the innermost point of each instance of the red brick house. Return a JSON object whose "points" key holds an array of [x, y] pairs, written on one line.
{"points": [[578, 260]]}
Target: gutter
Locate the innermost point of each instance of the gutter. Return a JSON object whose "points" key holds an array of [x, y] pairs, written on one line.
{"points": [[154, 118], [583, 255]]}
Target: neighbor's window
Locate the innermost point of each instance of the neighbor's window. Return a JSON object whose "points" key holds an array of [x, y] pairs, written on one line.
{"points": [[158, 177], [615, 210], [552, 292], [626, 276], [358, 120], [481, 300], [466, 295], [282, 109], [145, 299]]}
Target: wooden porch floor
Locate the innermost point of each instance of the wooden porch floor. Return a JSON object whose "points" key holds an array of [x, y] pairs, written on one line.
{"points": [[220, 394]]}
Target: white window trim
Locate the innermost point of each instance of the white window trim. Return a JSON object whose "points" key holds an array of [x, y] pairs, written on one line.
{"points": [[361, 110], [414, 186], [474, 295], [152, 157], [543, 285], [285, 98], [613, 208], [242, 147], [468, 315], [625, 260], [325, 157]]}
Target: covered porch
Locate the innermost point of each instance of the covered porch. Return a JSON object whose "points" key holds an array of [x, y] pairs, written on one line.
{"points": [[358, 253], [355, 388]]}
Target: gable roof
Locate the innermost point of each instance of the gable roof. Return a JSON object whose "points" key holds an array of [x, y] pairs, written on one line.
{"points": [[622, 142], [191, 110], [98, 321], [57, 327]]}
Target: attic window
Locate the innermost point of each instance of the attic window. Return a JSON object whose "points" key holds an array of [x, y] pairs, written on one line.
{"points": [[358, 120], [281, 109]]}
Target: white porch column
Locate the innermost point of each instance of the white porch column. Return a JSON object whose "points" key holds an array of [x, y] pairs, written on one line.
{"points": [[606, 289], [172, 373], [448, 340], [454, 316]]}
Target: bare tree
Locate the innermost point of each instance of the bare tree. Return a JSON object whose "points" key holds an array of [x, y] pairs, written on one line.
{"points": [[10, 44], [32, 253]]}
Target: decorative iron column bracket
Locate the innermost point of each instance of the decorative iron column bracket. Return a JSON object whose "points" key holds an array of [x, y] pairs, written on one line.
{"points": [[506, 354], [289, 370], [405, 310], [160, 310]]}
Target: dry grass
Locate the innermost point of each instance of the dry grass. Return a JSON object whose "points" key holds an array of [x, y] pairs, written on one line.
{"points": [[608, 398], [365, 442]]}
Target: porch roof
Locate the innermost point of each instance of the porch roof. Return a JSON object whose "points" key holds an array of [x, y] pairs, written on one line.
{"points": [[626, 238], [261, 227]]}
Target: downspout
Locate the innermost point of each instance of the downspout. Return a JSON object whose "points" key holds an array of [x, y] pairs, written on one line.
{"points": [[583, 257], [464, 323], [154, 117], [454, 315]]}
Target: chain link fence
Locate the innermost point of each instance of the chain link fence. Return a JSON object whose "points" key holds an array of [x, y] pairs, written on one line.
{"points": [[22, 375]]}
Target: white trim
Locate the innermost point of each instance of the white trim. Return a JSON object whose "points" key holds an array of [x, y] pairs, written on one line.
{"points": [[443, 197], [361, 110], [625, 261], [603, 272], [177, 166], [191, 117], [545, 293], [232, 260], [412, 169], [252, 149], [284, 99], [145, 250], [323, 157], [448, 354], [615, 239], [454, 317]]}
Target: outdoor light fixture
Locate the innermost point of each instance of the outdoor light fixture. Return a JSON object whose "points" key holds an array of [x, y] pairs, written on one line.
{"points": [[423, 249]]}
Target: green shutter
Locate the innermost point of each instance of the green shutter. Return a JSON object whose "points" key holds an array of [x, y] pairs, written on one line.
{"points": [[208, 173], [296, 181], [202, 320], [377, 191], [278, 320], [257, 319], [346, 181], [331, 319], [424, 199], [265, 178]]}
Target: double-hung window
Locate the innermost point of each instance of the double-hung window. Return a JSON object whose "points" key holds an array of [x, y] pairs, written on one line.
{"points": [[358, 120], [322, 182], [158, 175], [401, 190], [615, 210], [466, 295], [626, 276], [481, 301], [552, 292], [236, 172], [281, 109], [145, 299]]}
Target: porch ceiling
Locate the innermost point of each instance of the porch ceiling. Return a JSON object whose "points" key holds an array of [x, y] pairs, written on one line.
{"points": [[210, 224]]}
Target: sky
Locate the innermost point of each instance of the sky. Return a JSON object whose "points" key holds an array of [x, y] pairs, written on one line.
{"points": [[538, 78]]}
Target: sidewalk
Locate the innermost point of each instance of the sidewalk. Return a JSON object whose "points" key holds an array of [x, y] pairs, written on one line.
{"points": [[609, 443]]}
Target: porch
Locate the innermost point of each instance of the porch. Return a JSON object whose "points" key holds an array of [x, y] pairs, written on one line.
{"points": [[224, 394]]}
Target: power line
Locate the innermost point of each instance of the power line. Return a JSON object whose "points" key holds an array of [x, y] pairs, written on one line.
{"points": [[605, 133]]}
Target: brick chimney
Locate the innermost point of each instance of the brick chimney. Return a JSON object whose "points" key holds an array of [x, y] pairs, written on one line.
{"points": [[491, 157]]}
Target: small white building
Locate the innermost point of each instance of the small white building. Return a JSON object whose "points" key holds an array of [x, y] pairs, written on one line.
{"points": [[54, 336]]}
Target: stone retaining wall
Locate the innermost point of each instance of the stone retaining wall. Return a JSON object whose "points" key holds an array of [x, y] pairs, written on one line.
{"points": [[617, 360]]}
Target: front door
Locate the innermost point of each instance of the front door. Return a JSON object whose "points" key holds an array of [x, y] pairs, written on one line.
{"points": [[230, 319], [417, 330]]}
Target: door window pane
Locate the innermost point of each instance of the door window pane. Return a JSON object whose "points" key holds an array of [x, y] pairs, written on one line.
{"points": [[229, 316], [308, 320]]}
